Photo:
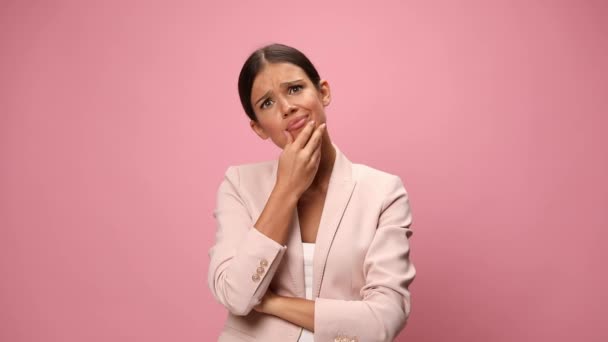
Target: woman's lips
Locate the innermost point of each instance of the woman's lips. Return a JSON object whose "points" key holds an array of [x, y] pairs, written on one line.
{"points": [[298, 124]]}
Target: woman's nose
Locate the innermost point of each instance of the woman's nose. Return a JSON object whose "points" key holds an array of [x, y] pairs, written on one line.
{"points": [[287, 108]]}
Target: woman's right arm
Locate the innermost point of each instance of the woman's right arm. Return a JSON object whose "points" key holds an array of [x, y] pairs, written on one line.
{"points": [[245, 256], [277, 213]]}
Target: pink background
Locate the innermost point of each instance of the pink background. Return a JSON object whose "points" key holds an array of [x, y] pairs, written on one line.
{"points": [[118, 120]]}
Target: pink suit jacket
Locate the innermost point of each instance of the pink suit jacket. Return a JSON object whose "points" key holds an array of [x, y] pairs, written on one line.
{"points": [[361, 267]]}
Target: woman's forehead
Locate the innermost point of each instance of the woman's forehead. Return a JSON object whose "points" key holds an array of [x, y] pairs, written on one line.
{"points": [[276, 73]]}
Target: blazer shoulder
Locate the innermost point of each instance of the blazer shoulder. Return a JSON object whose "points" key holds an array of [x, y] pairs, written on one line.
{"points": [[378, 184]]}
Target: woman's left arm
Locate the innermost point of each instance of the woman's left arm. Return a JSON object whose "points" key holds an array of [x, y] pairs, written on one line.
{"points": [[298, 311]]}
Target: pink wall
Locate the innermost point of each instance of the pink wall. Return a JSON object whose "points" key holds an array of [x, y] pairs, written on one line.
{"points": [[118, 120]]}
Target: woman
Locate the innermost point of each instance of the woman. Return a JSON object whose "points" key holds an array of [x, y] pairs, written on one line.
{"points": [[309, 242]]}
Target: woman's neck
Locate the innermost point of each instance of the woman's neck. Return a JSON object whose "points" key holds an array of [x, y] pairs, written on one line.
{"points": [[328, 157]]}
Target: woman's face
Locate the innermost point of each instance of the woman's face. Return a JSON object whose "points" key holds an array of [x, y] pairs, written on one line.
{"points": [[281, 94]]}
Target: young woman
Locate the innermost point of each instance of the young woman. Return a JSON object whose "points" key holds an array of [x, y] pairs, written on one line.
{"points": [[310, 243]]}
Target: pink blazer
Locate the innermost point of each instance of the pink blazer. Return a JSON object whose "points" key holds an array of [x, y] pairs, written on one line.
{"points": [[361, 267]]}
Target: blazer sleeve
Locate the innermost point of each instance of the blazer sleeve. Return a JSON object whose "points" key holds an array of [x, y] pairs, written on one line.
{"points": [[242, 260], [385, 306]]}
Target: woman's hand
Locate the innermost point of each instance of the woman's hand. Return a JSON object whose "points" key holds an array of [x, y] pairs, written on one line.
{"points": [[267, 303], [299, 161]]}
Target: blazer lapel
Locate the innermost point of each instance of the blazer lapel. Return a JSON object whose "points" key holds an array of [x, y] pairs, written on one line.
{"points": [[341, 186]]}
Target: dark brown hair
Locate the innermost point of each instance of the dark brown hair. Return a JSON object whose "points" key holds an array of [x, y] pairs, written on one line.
{"points": [[273, 53]]}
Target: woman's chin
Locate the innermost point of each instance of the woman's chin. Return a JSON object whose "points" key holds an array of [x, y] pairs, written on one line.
{"points": [[295, 133]]}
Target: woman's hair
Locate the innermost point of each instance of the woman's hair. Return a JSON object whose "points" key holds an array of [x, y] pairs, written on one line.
{"points": [[273, 53]]}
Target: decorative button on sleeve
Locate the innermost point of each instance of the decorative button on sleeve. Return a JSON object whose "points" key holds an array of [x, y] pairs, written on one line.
{"points": [[260, 270], [255, 277], [263, 262]]}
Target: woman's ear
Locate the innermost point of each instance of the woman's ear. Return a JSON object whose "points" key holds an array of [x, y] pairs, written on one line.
{"points": [[324, 92], [258, 129]]}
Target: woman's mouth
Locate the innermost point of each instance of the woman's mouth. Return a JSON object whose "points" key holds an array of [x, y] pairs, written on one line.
{"points": [[298, 124]]}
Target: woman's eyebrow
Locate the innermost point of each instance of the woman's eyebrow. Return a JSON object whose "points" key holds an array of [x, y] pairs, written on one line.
{"points": [[291, 82], [282, 85], [263, 96]]}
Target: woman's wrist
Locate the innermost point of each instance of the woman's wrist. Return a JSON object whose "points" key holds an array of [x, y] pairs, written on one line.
{"points": [[285, 194], [299, 311], [273, 306]]}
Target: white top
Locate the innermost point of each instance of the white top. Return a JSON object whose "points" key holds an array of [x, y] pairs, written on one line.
{"points": [[308, 252]]}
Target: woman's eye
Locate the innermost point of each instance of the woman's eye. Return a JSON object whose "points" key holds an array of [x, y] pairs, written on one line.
{"points": [[298, 87], [264, 103], [292, 89]]}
